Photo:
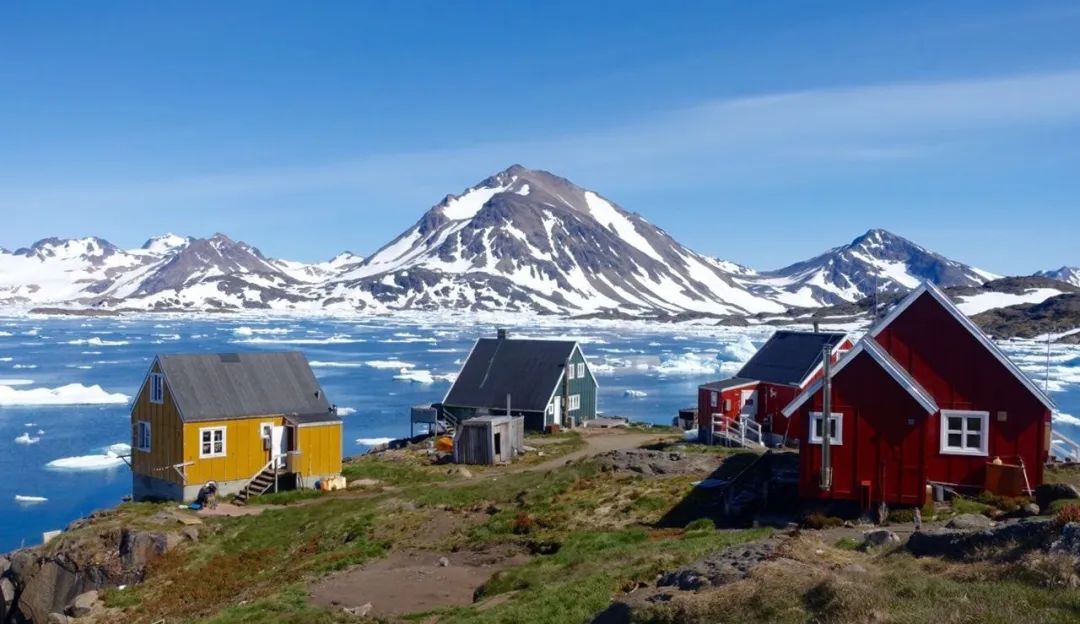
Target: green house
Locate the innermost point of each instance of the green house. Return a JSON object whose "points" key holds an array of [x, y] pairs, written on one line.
{"points": [[549, 382]]}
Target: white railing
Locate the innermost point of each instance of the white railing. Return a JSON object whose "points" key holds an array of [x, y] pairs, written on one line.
{"points": [[744, 429], [1069, 448]]}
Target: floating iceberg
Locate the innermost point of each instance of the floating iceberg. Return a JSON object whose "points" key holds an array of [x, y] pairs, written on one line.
{"points": [[71, 394]]}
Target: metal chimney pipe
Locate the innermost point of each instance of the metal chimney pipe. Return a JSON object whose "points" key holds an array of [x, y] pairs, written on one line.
{"points": [[826, 417]]}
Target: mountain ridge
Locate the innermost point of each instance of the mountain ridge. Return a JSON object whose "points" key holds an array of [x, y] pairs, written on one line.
{"points": [[521, 240]]}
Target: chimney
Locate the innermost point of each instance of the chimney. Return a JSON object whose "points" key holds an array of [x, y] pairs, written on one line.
{"points": [[500, 334], [815, 326]]}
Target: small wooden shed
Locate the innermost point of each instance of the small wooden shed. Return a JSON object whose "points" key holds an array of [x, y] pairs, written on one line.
{"points": [[489, 439]]}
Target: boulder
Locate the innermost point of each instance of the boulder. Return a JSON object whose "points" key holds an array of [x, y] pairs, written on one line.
{"points": [[723, 566], [1069, 541], [138, 548], [5, 565], [879, 538], [58, 618], [7, 592], [969, 522], [84, 604], [1011, 537], [360, 612], [1049, 492]]}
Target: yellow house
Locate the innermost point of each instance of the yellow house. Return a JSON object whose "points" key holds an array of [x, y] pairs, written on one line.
{"points": [[246, 421]]}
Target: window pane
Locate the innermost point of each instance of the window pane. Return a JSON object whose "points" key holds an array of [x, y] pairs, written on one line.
{"points": [[974, 441], [974, 423], [205, 436], [817, 427], [206, 448], [956, 423], [832, 427], [954, 440]]}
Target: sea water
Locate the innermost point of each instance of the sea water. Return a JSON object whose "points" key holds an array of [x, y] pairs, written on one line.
{"points": [[66, 385]]}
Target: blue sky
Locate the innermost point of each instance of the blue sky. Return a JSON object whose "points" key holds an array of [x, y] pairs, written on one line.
{"points": [[759, 132]]}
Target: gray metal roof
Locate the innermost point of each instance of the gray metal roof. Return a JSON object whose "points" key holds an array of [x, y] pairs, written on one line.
{"points": [[526, 369], [212, 386], [724, 384], [789, 356]]}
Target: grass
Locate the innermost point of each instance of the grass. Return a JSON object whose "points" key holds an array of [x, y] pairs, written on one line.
{"points": [[578, 581], [969, 506]]}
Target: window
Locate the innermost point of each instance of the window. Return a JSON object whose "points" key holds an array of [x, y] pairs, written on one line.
{"points": [[575, 402], [727, 405], [836, 428], [581, 370], [157, 388], [142, 441], [714, 398], [964, 432], [266, 430], [212, 442]]}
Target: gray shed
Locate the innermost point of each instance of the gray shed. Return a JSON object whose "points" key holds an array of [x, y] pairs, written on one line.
{"points": [[489, 439]]}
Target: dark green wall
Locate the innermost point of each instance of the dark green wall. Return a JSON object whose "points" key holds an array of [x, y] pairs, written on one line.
{"points": [[586, 387]]}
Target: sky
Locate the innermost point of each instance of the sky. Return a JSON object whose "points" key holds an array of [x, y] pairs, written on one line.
{"points": [[762, 133]]}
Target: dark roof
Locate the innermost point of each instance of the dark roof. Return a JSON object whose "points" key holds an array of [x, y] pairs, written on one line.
{"points": [[724, 384], [527, 370], [789, 356], [211, 386]]}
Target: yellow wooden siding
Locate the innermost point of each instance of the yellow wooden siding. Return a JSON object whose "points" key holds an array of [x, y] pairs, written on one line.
{"points": [[166, 441], [320, 449], [244, 451]]}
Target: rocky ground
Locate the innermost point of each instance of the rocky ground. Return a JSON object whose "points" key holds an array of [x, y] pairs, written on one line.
{"points": [[609, 529]]}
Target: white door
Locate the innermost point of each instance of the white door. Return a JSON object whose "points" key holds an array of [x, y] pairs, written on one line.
{"points": [[749, 403], [557, 414], [277, 446]]}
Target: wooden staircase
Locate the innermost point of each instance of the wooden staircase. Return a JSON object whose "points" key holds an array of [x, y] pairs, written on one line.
{"points": [[261, 482], [742, 431]]}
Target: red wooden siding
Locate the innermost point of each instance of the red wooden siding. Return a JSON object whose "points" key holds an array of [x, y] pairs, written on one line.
{"points": [[733, 396]]}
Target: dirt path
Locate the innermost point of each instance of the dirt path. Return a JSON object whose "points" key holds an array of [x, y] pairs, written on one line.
{"points": [[597, 442]]}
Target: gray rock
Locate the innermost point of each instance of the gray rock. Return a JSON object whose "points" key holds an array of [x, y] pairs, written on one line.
{"points": [[7, 591], [1014, 537], [969, 522], [444, 562], [5, 565], [138, 548], [721, 567], [190, 533], [361, 611], [58, 618], [1069, 541], [84, 604], [854, 568], [1047, 493], [879, 538]]}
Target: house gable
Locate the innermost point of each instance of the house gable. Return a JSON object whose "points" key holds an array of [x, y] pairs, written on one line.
{"points": [[956, 362]]}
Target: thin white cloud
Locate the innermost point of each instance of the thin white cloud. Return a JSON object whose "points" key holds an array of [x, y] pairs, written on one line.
{"points": [[728, 137]]}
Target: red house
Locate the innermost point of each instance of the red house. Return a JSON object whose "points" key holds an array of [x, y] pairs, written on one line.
{"points": [[781, 369], [924, 398]]}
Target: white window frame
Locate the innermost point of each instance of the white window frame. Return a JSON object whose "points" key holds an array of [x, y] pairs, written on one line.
{"points": [[984, 433], [140, 427], [581, 370], [834, 440], [266, 430], [727, 405], [157, 388], [574, 403], [570, 372], [714, 398], [211, 430]]}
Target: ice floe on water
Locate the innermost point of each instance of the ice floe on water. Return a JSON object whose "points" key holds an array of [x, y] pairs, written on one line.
{"points": [[98, 342], [739, 351], [322, 364], [635, 394], [70, 394], [346, 411], [373, 441], [692, 363], [15, 382], [26, 439], [251, 331], [388, 364], [418, 375], [24, 366], [85, 463], [408, 340], [22, 499], [335, 339]]}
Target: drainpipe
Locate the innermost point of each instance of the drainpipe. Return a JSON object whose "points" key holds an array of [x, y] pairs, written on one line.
{"points": [[826, 412]]}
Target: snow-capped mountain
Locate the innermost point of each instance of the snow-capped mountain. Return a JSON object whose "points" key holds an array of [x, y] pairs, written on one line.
{"points": [[877, 259], [1067, 274], [530, 240], [521, 240]]}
